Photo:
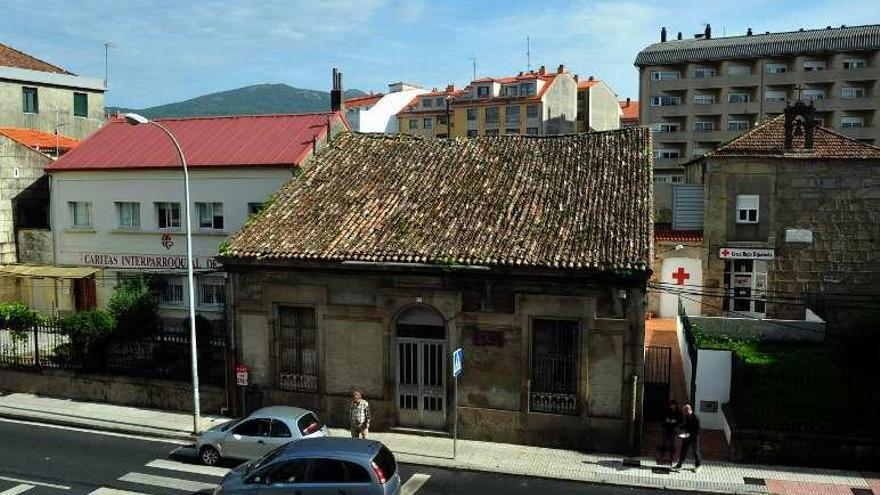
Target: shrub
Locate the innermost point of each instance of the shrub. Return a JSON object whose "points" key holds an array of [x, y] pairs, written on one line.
{"points": [[18, 319], [135, 308], [87, 332]]}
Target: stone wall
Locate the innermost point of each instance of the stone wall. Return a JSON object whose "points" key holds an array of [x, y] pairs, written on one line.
{"points": [[20, 167], [112, 389], [838, 201], [35, 246], [490, 319]]}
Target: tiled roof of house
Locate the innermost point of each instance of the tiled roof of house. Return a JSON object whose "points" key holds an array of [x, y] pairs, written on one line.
{"points": [[630, 110], [762, 45], [363, 101], [669, 235], [234, 141], [768, 140], [580, 201], [10, 57], [589, 83], [39, 140]]}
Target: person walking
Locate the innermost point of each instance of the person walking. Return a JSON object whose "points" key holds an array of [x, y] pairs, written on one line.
{"points": [[671, 421], [360, 414], [690, 437]]}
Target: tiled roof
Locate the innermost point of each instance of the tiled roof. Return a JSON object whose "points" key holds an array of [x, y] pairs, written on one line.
{"points": [[630, 110], [768, 140], [579, 201], [39, 140], [237, 141], [587, 84], [762, 45], [363, 101], [10, 57], [678, 235]]}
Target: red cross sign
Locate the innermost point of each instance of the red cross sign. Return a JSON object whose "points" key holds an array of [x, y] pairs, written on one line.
{"points": [[680, 276]]}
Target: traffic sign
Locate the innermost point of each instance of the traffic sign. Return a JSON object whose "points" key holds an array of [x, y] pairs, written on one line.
{"points": [[457, 356]]}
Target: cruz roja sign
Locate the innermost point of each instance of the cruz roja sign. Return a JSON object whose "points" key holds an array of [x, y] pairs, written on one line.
{"points": [[727, 253]]}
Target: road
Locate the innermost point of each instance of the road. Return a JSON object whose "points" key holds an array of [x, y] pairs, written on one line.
{"points": [[45, 460]]}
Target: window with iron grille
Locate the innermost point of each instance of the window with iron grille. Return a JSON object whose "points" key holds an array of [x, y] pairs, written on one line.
{"points": [[170, 291], [554, 369], [296, 353], [212, 291]]}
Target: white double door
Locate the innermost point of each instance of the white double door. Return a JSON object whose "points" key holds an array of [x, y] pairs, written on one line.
{"points": [[421, 382]]}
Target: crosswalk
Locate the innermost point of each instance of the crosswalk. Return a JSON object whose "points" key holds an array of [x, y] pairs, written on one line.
{"points": [[159, 477]]}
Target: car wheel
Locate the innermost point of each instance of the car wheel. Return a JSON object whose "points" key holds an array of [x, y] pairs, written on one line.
{"points": [[209, 455]]}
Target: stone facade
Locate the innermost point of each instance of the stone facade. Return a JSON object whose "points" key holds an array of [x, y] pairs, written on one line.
{"points": [[837, 200], [20, 167], [357, 314]]}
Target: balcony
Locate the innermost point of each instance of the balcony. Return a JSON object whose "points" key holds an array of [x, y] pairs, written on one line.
{"points": [[669, 163], [867, 132], [720, 81], [672, 137], [865, 103]]}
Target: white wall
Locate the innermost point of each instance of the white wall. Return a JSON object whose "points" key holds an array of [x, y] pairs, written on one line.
{"points": [[669, 298], [119, 250], [382, 117], [686, 365], [713, 384]]}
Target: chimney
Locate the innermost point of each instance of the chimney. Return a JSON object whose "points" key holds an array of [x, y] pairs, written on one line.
{"points": [[577, 78], [708, 31], [628, 101], [337, 104], [592, 78], [542, 70], [679, 35], [663, 34], [749, 32], [560, 69], [450, 88]]}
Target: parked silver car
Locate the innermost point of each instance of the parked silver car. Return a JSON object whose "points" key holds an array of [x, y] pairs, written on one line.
{"points": [[258, 434], [338, 466]]}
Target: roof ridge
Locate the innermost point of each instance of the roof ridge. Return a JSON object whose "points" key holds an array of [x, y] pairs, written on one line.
{"points": [[244, 116], [758, 35], [744, 135]]}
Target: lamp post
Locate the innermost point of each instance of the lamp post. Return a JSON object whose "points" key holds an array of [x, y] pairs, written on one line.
{"points": [[135, 119], [448, 121]]}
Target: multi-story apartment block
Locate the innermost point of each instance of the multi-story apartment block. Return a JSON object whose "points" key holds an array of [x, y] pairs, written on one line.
{"points": [[536, 103], [428, 114], [597, 107], [698, 93], [38, 95]]}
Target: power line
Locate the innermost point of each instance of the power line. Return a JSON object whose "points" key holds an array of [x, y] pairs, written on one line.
{"points": [[787, 302], [748, 316], [776, 291]]}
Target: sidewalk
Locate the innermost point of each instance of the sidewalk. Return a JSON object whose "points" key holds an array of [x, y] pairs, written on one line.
{"points": [[714, 476]]}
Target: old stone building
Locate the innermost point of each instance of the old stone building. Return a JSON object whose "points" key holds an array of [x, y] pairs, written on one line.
{"points": [[792, 219], [389, 252]]}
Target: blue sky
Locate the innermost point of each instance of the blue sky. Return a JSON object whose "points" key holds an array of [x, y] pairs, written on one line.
{"points": [[166, 51]]}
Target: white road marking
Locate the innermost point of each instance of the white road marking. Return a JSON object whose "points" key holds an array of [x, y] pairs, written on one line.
{"points": [[165, 482], [113, 491], [98, 432], [35, 483], [413, 484], [187, 468], [15, 490]]}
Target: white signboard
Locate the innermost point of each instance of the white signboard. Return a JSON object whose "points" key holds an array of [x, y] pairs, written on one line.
{"points": [[799, 235], [728, 253]]}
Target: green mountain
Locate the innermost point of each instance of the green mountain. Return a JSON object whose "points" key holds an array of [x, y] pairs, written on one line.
{"points": [[249, 100]]}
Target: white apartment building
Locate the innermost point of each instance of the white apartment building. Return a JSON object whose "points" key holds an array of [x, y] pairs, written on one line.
{"points": [[378, 112]]}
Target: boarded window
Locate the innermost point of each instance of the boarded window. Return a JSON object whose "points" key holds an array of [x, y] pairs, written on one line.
{"points": [[296, 354], [554, 366]]}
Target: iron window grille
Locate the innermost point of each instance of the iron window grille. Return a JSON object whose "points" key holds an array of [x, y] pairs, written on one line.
{"points": [[296, 354], [554, 366]]}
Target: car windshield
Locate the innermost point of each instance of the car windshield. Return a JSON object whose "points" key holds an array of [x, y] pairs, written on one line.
{"points": [[226, 426], [263, 461]]}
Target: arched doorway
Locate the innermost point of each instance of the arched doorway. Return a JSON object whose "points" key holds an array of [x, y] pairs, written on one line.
{"points": [[421, 371]]}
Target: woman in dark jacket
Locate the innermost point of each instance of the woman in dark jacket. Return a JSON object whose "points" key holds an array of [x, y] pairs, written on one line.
{"points": [[690, 437], [671, 421]]}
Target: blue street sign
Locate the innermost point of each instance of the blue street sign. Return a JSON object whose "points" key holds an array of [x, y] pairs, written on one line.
{"points": [[457, 356]]}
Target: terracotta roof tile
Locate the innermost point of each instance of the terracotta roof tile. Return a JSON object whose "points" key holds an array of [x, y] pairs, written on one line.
{"points": [[587, 84], [768, 140], [630, 110], [580, 201], [39, 140], [10, 57], [363, 101], [678, 235]]}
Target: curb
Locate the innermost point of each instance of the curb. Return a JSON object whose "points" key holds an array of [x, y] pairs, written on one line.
{"points": [[60, 421]]}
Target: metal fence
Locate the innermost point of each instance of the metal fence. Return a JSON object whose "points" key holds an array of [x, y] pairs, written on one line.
{"points": [[165, 355]]}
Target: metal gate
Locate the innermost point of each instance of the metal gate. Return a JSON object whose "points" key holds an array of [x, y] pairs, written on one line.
{"points": [[421, 382], [658, 364]]}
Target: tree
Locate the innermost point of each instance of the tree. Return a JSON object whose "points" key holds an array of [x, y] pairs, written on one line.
{"points": [[135, 308], [87, 332]]}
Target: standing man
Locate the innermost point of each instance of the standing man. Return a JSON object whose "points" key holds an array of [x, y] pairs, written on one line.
{"points": [[360, 415], [690, 437]]}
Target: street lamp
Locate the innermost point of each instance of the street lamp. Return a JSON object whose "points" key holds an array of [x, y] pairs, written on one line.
{"points": [[135, 119]]}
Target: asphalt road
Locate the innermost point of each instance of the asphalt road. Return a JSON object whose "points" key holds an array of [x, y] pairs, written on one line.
{"points": [[45, 460]]}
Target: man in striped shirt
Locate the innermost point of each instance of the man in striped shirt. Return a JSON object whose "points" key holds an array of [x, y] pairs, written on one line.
{"points": [[360, 415]]}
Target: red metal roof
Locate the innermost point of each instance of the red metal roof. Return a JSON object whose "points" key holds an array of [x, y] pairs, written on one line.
{"points": [[234, 141], [39, 140]]}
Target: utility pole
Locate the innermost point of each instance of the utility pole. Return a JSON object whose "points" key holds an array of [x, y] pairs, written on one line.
{"points": [[107, 46], [528, 56], [474, 60]]}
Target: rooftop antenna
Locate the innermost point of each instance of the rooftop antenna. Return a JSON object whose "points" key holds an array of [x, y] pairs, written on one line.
{"points": [[474, 60], [107, 46], [528, 55]]}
